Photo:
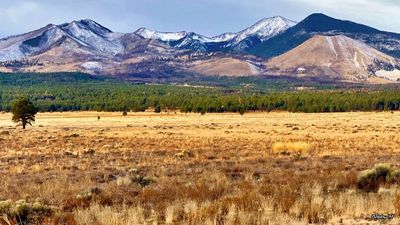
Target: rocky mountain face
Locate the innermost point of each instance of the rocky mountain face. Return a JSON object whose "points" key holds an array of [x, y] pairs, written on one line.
{"points": [[322, 46]]}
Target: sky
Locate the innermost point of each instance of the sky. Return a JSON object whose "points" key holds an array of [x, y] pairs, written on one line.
{"points": [[207, 17]]}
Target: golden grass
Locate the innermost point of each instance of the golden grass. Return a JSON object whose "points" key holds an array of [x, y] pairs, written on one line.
{"points": [[299, 147], [191, 169]]}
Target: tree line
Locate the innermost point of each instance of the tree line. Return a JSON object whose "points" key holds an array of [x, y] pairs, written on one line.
{"points": [[79, 92], [199, 100]]}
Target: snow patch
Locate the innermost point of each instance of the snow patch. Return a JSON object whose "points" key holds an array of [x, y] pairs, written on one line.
{"points": [[92, 66], [331, 45], [223, 37], [253, 69], [390, 75], [355, 60], [87, 36], [163, 36]]}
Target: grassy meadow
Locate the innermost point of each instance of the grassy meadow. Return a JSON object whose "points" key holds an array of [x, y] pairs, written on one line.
{"points": [[173, 168]]}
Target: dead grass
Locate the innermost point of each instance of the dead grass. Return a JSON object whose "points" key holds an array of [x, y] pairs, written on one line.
{"points": [[287, 148], [148, 168]]}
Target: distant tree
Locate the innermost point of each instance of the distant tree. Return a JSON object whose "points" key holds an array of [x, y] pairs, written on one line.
{"points": [[157, 109], [24, 112], [242, 110]]}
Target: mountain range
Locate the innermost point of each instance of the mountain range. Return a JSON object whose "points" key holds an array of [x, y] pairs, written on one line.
{"points": [[319, 46]]}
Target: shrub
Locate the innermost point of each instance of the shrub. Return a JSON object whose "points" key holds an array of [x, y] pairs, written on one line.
{"points": [[82, 200], [141, 180], [371, 179], [23, 212], [125, 113], [394, 176], [89, 194], [184, 154], [367, 181], [383, 170]]}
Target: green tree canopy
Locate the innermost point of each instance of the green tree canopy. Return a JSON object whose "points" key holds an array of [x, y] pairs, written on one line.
{"points": [[24, 112]]}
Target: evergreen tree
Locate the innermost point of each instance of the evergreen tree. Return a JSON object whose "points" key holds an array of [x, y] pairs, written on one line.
{"points": [[24, 112], [157, 109]]}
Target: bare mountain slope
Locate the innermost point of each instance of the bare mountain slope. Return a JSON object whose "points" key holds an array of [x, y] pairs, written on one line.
{"points": [[225, 66], [333, 57]]}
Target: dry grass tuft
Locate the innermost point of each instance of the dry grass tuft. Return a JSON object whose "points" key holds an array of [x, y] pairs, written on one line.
{"points": [[289, 148]]}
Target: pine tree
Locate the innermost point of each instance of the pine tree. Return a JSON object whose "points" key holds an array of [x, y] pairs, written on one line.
{"points": [[24, 112]]}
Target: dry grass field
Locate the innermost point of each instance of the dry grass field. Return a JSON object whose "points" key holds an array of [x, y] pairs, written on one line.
{"points": [[145, 168]]}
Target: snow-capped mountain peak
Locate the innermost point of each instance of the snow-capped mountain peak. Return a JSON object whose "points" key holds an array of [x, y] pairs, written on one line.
{"points": [[86, 24], [259, 32], [163, 36], [266, 28], [89, 33], [86, 33], [100, 40], [93, 25]]}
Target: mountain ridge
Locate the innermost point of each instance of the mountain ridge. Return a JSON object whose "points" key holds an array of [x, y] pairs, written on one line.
{"points": [[262, 30], [86, 46], [320, 24]]}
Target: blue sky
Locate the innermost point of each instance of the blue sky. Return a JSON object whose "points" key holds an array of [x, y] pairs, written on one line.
{"points": [[208, 17]]}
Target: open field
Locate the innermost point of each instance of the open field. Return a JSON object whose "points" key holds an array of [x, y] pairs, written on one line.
{"points": [[147, 168]]}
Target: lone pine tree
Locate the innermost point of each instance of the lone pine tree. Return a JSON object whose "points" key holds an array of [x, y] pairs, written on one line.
{"points": [[24, 112]]}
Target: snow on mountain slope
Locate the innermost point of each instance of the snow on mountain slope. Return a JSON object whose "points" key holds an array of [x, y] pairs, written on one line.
{"points": [[162, 36], [86, 33], [101, 41], [94, 35], [42, 42], [180, 40], [265, 28], [32, 43], [10, 47], [223, 37], [87, 46]]}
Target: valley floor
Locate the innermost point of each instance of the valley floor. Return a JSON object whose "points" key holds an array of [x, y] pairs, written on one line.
{"points": [[174, 168]]}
